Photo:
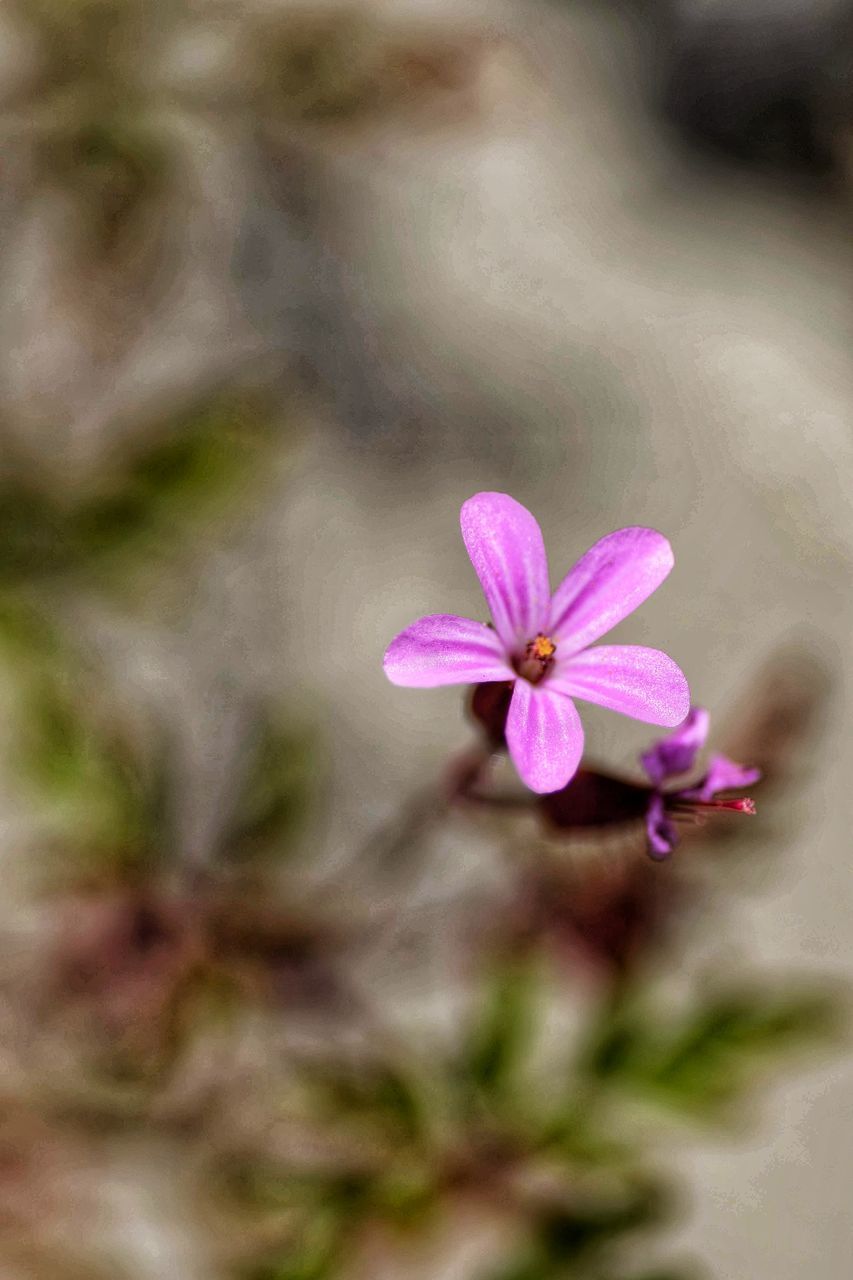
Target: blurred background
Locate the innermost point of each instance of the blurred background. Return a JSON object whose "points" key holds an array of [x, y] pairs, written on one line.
{"points": [[281, 284]]}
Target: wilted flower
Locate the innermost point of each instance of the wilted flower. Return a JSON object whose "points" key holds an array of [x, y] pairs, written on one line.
{"points": [[539, 642], [676, 755], [595, 799]]}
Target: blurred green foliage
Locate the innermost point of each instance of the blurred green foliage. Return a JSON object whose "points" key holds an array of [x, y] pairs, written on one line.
{"points": [[109, 779], [141, 509], [278, 785], [117, 166], [500, 1038], [700, 1062], [423, 1130], [73, 748], [318, 67], [567, 1159]]}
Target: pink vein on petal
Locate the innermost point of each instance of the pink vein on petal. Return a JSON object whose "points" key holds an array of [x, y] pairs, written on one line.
{"points": [[443, 649], [505, 544], [643, 683], [607, 584], [545, 737]]}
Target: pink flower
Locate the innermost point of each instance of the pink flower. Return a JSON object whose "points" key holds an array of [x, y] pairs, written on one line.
{"points": [[541, 642], [675, 755]]}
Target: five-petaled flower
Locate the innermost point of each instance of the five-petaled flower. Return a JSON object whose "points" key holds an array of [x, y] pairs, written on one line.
{"points": [[676, 755], [541, 642]]}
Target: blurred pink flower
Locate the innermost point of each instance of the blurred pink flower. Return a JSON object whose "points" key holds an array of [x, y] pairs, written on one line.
{"points": [[541, 642], [676, 754]]}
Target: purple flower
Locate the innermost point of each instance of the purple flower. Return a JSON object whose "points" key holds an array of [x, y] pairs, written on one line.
{"points": [[541, 642], [675, 755]]}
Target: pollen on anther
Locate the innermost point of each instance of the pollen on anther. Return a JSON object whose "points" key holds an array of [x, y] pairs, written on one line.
{"points": [[542, 647]]}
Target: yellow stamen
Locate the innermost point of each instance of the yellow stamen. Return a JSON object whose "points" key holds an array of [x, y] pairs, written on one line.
{"points": [[542, 647]]}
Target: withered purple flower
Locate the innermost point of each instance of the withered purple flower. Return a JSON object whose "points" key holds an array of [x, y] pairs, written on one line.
{"points": [[676, 755], [540, 643]]}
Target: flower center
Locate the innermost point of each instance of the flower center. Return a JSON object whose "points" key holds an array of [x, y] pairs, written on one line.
{"points": [[536, 659]]}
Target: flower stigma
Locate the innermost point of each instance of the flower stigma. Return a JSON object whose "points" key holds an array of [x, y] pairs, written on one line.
{"points": [[742, 804], [538, 657]]}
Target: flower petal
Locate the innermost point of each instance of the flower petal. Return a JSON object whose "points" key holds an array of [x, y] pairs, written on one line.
{"points": [[639, 682], [444, 649], [676, 753], [506, 549], [609, 582], [723, 775], [660, 829], [545, 737]]}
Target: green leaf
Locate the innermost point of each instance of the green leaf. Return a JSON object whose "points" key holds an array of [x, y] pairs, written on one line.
{"points": [[568, 1234], [33, 534], [566, 1242], [501, 1034], [112, 800], [665, 1273], [701, 1061], [198, 459], [147, 504], [76, 750], [575, 1133], [379, 1095], [276, 792], [406, 1195], [529, 1269], [707, 1062], [28, 641], [313, 1255], [115, 164], [615, 1042]]}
